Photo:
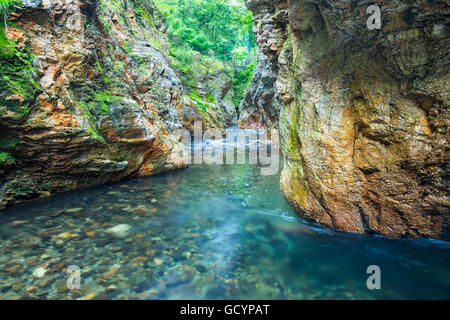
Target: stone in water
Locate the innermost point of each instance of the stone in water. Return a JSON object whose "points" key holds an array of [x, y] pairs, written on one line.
{"points": [[39, 272], [120, 231]]}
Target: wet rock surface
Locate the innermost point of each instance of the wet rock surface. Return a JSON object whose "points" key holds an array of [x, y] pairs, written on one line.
{"points": [[260, 109], [363, 114], [99, 103], [209, 95]]}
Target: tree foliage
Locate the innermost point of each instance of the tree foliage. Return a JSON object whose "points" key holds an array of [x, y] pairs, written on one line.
{"points": [[217, 25], [222, 27], [5, 5], [5, 8]]}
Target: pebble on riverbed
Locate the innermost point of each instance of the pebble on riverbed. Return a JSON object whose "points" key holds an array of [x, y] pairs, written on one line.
{"points": [[39, 272], [119, 231]]}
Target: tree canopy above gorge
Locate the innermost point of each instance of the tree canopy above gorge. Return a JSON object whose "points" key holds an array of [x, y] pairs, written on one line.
{"points": [[222, 27]]}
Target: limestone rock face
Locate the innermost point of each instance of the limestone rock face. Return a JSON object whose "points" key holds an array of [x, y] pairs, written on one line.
{"points": [[87, 96], [259, 108], [209, 95], [31, 3], [364, 114]]}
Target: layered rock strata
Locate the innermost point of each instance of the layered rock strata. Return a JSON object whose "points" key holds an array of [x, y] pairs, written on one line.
{"points": [[363, 113], [87, 96]]}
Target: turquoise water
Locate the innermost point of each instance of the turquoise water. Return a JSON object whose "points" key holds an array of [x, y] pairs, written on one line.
{"points": [[207, 232]]}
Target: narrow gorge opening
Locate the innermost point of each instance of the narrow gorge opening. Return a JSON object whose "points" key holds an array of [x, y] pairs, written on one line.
{"points": [[211, 45], [214, 149]]}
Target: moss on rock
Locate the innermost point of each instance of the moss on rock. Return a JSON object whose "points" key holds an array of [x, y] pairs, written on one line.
{"points": [[18, 88]]}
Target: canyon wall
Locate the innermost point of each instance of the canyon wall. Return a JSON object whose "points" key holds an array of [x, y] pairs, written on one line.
{"points": [[209, 94], [87, 96], [260, 108], [363, 114]]}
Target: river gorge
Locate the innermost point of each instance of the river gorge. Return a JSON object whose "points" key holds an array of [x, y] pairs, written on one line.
{"points": [[104, 105]]}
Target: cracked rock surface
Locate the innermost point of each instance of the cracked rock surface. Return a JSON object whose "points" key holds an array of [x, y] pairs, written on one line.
{"points": [[363, 114], [100, 101]]}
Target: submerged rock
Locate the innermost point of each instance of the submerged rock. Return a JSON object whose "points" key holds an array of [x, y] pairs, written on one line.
{"points": [[201, 268], [39, 272], [111, 273], [14, 269], [119, 231]]}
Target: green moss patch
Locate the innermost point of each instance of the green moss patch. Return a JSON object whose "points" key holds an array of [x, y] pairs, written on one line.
{"points": [[6, 158], [18, 88], [99, 105], [8, 144]]}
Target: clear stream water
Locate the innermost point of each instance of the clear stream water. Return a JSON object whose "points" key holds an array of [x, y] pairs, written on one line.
{"points": [[207, 232]]}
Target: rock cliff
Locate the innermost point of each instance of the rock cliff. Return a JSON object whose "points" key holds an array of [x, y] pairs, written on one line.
{"points": [[208, 94], [363, 114], [87, 96], [260, 108]]}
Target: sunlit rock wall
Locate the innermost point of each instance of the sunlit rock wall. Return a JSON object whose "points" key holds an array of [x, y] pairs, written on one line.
{"points": [[87, 96], [363, 113]]}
